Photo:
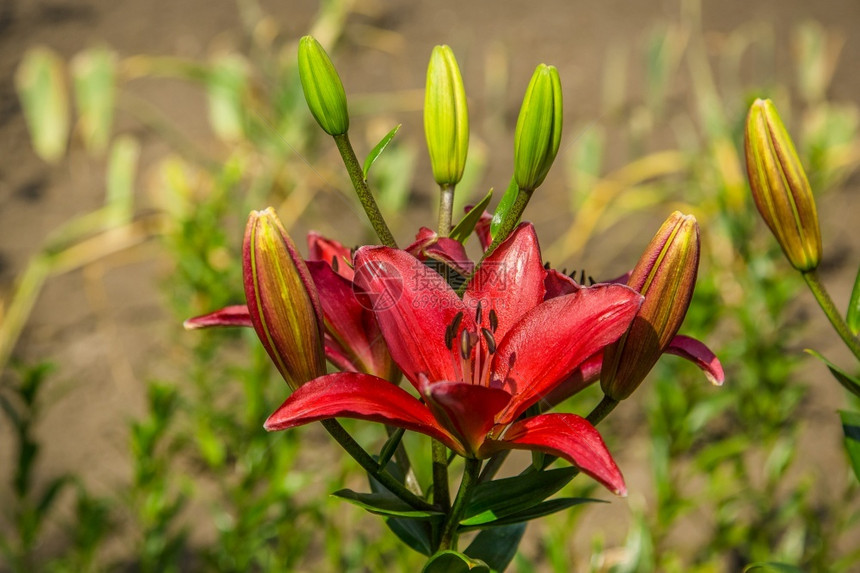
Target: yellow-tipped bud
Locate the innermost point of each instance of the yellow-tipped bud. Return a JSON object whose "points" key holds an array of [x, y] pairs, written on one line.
{"points": [[666, 277], [538, 132], [282, 300], [780, 188], [446, 117], [323, 88]]}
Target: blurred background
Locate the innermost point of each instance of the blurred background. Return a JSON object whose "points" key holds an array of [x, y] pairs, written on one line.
{"points": [[135, 137]]}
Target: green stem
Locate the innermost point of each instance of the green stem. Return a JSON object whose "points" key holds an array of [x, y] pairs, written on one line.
{"points": [[369, 465], [493, 465], [363, 192], [441, 495], [826, 304], [446, 209], [508, 225], [470, 477]]}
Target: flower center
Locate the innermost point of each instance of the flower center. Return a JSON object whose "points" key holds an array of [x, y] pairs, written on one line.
{"points": [[472, 350]]}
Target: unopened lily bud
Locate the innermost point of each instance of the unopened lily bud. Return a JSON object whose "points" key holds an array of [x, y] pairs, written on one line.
{"points": [[323, 88], [666, 277], [282, 300], [538, 132], [780, 188], [446, 117]]}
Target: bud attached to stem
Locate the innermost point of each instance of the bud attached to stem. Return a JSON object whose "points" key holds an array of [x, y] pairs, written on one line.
{"points": [[538, 132], [666, 277], [282, 300], [446, 117], [780, 188], [322, 86]]}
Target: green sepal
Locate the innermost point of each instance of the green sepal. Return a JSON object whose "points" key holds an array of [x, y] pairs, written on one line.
{"points": [[464, 228], [378, 149], [454, 562], [384, 504], [539, 510], [497, 546], [852, 317], [499, 498], [770, 567], [850, 383], [504, 207], [851, 429]]}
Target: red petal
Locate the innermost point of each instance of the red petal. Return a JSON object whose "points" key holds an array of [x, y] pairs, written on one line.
{"points": [[429, 245], [467, 410], [696, 352], [580, 379], [567, 436], [236, 315], [351, 328], [359, 396], [510, 281], [414, 307], [558, 284], [482, 229], [329, 251], [555, 338]]}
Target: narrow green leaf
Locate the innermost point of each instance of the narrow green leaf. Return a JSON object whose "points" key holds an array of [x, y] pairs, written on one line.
{"points": [[384, 504], [41, 84], [121, 173], [454, 562], [464, 228], [539, 510], [504, 206], [51, 492], [497, 546], [850, 383], [416, 534], [94, 80], [378, 149], [763, 567], [225, 88], [853, 315], [498, 498], [851, 428]]}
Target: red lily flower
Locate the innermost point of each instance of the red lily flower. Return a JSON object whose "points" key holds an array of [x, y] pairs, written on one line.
{"points": [[478, 363]]}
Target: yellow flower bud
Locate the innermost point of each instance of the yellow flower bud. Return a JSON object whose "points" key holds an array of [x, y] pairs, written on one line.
{"points": [[780, 188], [323, 88], [446, 117]]}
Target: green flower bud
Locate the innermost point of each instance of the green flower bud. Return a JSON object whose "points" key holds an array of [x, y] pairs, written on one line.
{"points": [[282, 301], [538, 133], [446, 117], [323, 88], [780, 188], [666, 277]]}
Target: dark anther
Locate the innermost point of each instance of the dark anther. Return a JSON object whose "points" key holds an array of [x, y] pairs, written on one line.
{"points": [[455, 324], [449, 337], [465, 344], [491, 342], [564, 271], [494, 320], [582, 277], [479, 311], [591, 280], [335, 264], [546, 265]]}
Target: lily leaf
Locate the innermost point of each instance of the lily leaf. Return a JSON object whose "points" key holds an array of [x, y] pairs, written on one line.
{"points": [[850, 383], [497, 546], [121, 172], [94, 74], [384, 504], [539, 510], [467, 224], [770, 567], [454, 562], [499, 498], [378, 149], [853, 315], [851, 428], [504, 206]]}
